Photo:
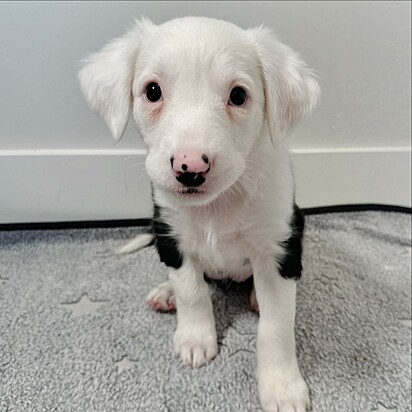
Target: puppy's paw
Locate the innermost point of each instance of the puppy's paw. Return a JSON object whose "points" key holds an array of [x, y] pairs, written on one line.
{"points": [[195, 349], [280, 393], [162, 298]]}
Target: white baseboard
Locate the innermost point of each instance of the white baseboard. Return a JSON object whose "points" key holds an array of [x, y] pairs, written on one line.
{"points": [[77, 185], [355, 176], [58, 186]]}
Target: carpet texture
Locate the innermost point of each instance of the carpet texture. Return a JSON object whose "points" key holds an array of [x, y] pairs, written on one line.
{"points": [[77, 335]]}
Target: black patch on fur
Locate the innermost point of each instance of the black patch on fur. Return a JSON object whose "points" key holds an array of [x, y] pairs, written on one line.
{"points": [[166, 244], [228, 284], [291, 264]]}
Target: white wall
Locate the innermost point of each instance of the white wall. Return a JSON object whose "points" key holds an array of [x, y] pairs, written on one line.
{"points": [[361, 51]]}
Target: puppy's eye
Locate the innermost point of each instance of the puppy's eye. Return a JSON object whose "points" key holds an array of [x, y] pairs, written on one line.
{"points": [[153, 92], [238, 96]]}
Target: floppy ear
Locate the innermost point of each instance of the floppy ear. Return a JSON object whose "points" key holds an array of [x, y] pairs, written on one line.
{"points": [[107, 76], [291, 90]]}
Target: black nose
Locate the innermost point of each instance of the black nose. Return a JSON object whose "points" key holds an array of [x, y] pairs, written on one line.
{"points": [[191, 179]]}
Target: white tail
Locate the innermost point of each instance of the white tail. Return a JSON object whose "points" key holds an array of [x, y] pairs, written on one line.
{"points": [[136, 244]]}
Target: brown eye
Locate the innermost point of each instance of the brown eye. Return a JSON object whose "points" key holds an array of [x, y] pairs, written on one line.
{"points": [[153, 92], [238, 96]]}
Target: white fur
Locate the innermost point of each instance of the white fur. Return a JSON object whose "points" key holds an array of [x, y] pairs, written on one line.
{"points": [[136, 244], [234, 226]]}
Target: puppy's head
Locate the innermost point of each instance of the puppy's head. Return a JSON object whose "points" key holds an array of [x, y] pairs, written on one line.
{"points": [[202, 92]]}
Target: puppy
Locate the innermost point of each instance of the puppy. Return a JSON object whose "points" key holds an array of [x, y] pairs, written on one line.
{"points": [[213, 103]]}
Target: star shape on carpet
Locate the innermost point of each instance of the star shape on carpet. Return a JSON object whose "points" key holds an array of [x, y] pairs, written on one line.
{"points": [[84, 306], [124, 364], [382, 408], [244, 342]]}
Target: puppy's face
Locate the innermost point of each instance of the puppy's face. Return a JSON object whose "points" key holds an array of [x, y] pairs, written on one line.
{"points": [[202, 92], [199, 104]]}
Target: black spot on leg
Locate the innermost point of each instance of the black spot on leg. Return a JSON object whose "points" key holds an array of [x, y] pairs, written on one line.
{"points": [[166, 244], [184, 167], [291, 263]]}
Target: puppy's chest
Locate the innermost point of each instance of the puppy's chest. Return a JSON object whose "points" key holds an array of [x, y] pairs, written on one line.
{"points": [[220, 246]]}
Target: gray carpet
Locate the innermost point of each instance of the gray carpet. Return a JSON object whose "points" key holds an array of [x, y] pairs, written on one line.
{"points": [[115, 354]]}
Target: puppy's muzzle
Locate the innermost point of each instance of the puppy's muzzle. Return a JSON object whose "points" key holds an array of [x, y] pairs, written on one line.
{"points": [[190, 168]]}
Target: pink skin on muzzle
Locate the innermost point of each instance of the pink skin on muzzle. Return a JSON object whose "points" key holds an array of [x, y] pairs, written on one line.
{"points": [[189, 161]]}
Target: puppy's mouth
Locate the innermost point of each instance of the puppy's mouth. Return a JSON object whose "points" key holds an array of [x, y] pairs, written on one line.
{"points": [[191, 191]]}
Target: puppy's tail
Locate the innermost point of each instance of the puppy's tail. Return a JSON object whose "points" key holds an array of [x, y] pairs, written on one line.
{"points": [[136, 244]]}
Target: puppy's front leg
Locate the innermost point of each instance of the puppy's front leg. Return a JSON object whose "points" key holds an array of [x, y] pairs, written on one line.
{"points": [[281, 386], [195, 338]]}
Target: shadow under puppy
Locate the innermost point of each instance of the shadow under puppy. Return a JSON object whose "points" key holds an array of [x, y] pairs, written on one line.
{"points": [[213, 103]]}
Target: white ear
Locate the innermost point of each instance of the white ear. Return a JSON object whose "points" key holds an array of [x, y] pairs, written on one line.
{"points": [[107, 76], [291, 90]]}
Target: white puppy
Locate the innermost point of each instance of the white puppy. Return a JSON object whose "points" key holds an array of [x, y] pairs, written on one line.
{"points": [[213, 103]]}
